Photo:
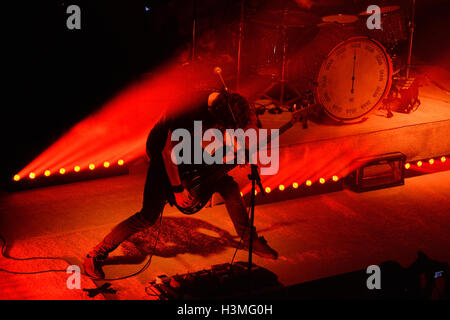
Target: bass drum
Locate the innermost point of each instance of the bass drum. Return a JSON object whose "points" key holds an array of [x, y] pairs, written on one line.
{"points": [[349, 75], [354, 79]]}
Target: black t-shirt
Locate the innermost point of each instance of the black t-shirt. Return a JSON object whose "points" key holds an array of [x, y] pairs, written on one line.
{"points": [[157, 138]]}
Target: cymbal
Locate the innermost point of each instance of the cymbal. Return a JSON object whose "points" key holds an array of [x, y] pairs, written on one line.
{"points": [[287, 18], [340, 18], [384, 10]]}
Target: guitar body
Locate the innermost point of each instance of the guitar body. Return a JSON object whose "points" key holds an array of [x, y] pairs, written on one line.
{"points": [[200, 183]]}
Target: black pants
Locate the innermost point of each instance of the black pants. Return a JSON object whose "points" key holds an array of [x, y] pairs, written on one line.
{"points": [[156, 193]]}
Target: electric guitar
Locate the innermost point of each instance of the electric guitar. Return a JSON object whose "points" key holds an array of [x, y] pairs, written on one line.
{"points": [[200, 182]]}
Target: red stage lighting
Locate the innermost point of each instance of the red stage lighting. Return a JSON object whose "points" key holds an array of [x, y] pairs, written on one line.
{"points": [[16, 177], [443, 159], [91, 166], [267, 189], [118, 131], [335, 178], [106, 164], [62, 171], [308, 183], [76, 168], [32, 175], [281, 187], [47, 173], [407, 165], [295, 185], [322, 180], [419, 163]]}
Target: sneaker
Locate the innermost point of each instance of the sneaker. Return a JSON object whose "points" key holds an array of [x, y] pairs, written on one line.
{"points": [[93, 267], [262, 249]]}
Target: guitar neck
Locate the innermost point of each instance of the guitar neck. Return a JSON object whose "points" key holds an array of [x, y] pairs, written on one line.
{"points": [[281, 130], [285, 127], [210, 176]]}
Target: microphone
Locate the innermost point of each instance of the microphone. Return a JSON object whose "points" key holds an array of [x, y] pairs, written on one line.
{"points": [[218, 71]]}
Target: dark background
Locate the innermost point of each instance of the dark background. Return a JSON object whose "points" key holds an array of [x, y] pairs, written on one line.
{"points": [[55, 77]]}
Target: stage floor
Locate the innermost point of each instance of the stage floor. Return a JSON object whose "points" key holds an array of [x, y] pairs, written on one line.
{"points": [[316, 236]]}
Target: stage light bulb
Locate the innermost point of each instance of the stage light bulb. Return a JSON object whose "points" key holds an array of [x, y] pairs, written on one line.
{"points": [[295, 185], [419, 163], [431, 161], [443, 159], [407, 165], [92, 166], [335, 178], [322, 180], [16, 177], [106, 164], [281, 187], [47, 173], [120, 162], [32, 175], [268, 190], [256, 192], [308, 183], [76, 168], [62, 171], [242, 194]]}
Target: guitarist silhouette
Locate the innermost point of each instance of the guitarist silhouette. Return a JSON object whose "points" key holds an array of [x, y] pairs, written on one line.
{"points": [[165, 181]]}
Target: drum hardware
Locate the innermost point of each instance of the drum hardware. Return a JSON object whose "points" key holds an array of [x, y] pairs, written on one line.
{"points": [[411, 37], [240, 37], [194, 31], [289, 19], [404, 95], [193, 53]]}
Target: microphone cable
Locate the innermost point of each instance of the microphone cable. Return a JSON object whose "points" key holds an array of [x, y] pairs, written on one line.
{"points": [[6, 256]]}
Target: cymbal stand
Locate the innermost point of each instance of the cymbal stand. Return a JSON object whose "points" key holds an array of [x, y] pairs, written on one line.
{"points": [[280, 103], [411, 37], [194, 34], [241, 35]]}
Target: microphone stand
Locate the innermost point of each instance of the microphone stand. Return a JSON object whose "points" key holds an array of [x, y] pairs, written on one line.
{"points": [[256, 180]]}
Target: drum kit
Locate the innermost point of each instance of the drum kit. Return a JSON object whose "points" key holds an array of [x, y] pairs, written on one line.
{"points": [[334, 61]]}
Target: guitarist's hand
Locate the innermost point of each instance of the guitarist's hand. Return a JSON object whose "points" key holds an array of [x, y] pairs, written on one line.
{"points": [[184, 199]]}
